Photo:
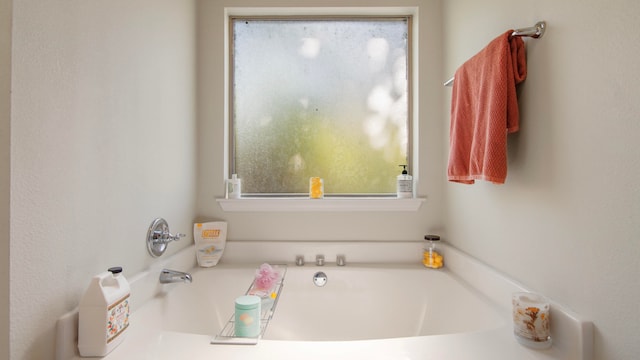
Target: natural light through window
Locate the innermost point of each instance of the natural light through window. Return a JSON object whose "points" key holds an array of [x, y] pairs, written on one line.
{"points": [[314, 97]]}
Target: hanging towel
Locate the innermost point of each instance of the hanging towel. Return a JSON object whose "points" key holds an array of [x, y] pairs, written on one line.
{"points": [[484, 108]]}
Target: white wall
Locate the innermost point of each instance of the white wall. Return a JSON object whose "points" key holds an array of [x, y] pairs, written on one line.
{"points": [[102, 141], [5, 113], [566, 221], [103, 90], [313, 226]]}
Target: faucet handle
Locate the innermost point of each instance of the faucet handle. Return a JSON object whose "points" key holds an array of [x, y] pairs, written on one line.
{"points": [[159, 236], [176, 237]]}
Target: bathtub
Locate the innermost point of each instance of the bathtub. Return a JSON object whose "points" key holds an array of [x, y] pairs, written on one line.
{"points": [[358, 302], [379, 310]]}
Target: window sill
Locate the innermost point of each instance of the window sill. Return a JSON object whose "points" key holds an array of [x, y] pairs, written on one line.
{"points": [[327, 204]]}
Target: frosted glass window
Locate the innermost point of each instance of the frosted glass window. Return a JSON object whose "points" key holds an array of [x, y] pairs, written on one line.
{"points": [[319, 98]]}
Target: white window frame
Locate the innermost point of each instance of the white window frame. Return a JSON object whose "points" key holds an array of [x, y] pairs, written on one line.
{"points": [[333, 203]]}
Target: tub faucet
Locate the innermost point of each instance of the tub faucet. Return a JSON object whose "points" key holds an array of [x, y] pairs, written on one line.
{"points": [[172, 276]]}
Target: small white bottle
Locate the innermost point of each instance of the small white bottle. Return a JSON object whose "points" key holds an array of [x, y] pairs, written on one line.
{"points": [[234, 187], [405, 184]]}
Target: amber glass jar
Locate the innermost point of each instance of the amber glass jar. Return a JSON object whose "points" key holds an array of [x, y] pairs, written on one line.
{"points": [[432, 258]]}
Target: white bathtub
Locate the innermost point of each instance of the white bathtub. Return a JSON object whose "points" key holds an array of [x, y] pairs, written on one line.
{"points": [[365, 311], [358, 302]]}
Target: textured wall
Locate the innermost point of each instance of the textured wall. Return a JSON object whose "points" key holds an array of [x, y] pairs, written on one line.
{"points": [[566, 221], [5, 170], [103, 141]]}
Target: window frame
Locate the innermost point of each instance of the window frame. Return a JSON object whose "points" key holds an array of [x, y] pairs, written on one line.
{"points": [[277, 202]]}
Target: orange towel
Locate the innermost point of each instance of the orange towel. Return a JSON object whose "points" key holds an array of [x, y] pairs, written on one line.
{"points": [[484, 108]]}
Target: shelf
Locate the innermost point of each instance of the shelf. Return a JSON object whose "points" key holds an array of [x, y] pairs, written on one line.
{"points": [[327, 204], [267, 309]]}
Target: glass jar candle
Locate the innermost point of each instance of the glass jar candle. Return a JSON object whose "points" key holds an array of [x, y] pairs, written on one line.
{"points": [[316, 188], [531, 320], [431, 257]]}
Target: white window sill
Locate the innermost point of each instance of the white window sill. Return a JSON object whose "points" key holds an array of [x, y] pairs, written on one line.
{"points": [[327, 204]]}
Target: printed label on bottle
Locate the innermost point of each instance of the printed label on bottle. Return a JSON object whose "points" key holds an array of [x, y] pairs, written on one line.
{"points": [[405, 186], [234, 188], [210, 233], [117, 318]]}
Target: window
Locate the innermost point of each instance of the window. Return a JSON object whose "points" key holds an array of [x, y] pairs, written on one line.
{"points": [[325, 97]]}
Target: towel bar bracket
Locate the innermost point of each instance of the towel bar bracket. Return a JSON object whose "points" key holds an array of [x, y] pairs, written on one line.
{"points": [[535, 32]]}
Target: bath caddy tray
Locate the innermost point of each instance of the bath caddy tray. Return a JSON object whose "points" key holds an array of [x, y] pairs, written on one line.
{"points": [[268, 308]]}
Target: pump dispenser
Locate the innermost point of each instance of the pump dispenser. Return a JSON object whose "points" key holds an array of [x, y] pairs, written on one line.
{"points": [[405, 184]]}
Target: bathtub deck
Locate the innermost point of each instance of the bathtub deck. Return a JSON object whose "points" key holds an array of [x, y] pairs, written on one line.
{"points": [[149, 338], [492, 344]]}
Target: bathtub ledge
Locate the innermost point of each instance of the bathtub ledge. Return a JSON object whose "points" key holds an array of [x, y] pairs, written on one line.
{"points": [[485, 345], [572, 335]]}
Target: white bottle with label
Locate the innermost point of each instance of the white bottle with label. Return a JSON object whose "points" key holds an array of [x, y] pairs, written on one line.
{"points": [[104, 313], [210, 239], [405, 184], [234, 187]]}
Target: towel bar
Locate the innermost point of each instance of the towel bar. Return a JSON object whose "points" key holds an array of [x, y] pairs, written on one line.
{"points": [[535, 32]]}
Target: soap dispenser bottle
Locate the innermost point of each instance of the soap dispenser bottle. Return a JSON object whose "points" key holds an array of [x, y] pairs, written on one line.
{"points": [[405, 184]]}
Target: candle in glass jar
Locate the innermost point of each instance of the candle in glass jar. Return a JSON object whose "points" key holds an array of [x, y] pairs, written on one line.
{"points": [[316, 188]]}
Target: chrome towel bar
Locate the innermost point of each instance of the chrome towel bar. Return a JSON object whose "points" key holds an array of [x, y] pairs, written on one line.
{"points": [[535, 32]]}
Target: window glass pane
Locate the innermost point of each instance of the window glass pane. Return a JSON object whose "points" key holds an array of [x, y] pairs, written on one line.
{"points": [[323, 98]]}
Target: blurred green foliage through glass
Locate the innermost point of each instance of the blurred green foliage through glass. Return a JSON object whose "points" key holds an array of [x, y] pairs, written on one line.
{"points": [[326, 98]]}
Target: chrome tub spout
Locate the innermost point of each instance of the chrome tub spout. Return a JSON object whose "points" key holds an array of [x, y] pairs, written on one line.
{"points": [[172, 276]]}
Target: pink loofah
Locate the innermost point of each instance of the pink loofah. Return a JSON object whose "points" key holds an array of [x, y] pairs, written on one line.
{"points": [[266, 277]]}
